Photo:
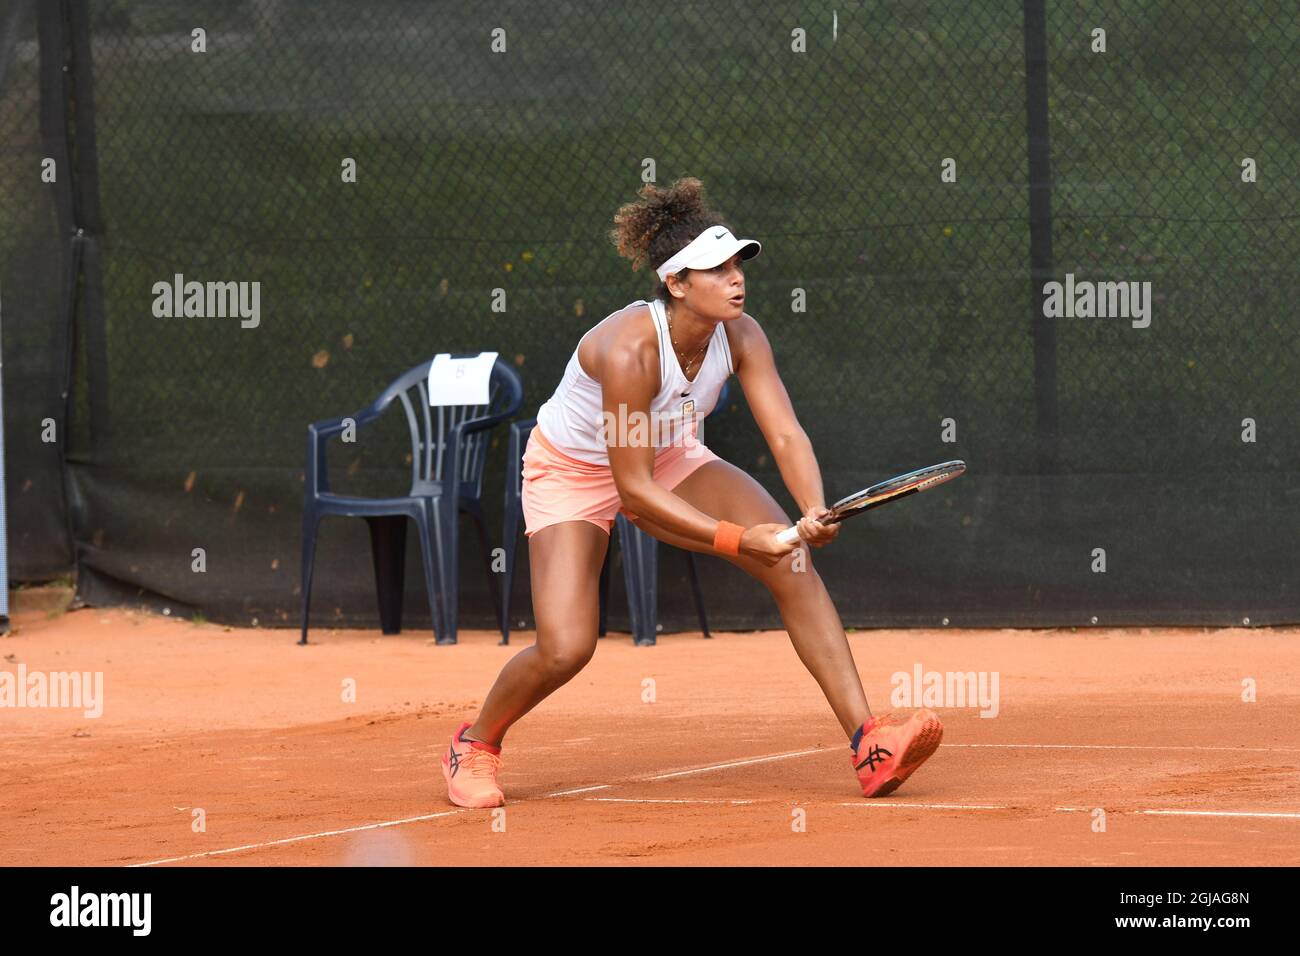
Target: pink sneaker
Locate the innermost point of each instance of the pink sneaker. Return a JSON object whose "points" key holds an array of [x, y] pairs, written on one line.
{"points": [[470, 768], [892, 746]]}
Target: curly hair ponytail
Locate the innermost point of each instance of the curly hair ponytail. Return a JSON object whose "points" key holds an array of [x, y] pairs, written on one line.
{"points": [[651, 229]]}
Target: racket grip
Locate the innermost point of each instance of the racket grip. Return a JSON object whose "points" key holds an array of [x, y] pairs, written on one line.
{"points": [[789, 535]]}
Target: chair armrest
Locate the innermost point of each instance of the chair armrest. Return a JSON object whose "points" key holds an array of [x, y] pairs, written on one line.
{"points": [[316, 474], [456, 440], [332, 426], [456, 437], [479, 424]]}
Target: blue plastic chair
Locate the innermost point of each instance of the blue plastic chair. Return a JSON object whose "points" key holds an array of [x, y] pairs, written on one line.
{"points": [[640, 551], [446, 441]]}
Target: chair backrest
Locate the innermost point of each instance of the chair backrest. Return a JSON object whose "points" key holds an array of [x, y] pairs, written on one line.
{"points": [[430, 425]]}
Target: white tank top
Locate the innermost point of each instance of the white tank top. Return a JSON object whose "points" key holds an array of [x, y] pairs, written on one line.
{"points": [[572, 418]]}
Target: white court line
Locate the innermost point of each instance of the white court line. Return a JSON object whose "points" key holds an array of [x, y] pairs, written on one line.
{"points": [[924, 806], [295, 839], [1236, 750], [742, 763], [896, 805], [1265, 814], [1220, 813], [662, 800], [1188, 813], [434, 816], [736, 763], [566, 793]]}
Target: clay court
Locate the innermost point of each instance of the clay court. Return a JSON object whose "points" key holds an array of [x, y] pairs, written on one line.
{"points": [[1147, 724]]}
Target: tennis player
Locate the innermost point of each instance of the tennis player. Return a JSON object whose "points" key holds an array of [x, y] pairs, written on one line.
{"points": [[620, 434]]}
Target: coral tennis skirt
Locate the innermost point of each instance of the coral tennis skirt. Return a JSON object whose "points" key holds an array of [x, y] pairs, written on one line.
{"points": [[558, 487]]}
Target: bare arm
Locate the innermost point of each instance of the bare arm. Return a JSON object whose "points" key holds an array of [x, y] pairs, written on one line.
{"points": [[770, 403]]}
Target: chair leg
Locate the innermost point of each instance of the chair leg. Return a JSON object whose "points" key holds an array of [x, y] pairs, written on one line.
{"points": [[388, 550], [695, 590], [641, 577], [310, 522], [446, 548], [511, 542], [431, 576], [494, 589], [604, 591]]}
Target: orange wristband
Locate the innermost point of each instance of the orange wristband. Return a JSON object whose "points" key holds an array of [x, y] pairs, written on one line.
{"points": [[726, 538]]}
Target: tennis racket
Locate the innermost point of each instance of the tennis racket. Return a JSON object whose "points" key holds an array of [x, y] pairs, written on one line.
{"points": [[885, 491]]}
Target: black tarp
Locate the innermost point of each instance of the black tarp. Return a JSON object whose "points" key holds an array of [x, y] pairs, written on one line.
{"points": [[493, 143]]}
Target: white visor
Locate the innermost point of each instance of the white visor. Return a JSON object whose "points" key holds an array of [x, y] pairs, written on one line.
{"points": [[712, 247]]}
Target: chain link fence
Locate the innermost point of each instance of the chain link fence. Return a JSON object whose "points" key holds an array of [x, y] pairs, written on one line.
{"points": [[880, 151]]}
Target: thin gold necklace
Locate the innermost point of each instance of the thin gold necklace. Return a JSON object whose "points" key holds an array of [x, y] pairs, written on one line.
{"points": [[686, 372]]}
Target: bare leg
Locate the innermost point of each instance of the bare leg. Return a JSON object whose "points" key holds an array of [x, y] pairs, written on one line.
{"points": [[565, 559], [721, 489]]}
